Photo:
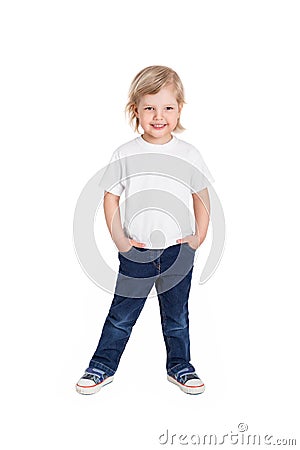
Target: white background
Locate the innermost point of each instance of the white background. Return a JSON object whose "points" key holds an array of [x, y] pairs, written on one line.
{"points": [[66, 69]]}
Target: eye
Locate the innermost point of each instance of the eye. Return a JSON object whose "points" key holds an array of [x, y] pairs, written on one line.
{"points": [[169, 108], [148, 108]]}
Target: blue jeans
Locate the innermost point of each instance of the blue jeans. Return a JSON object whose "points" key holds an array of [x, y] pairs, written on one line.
{"points": [[170, 269]]}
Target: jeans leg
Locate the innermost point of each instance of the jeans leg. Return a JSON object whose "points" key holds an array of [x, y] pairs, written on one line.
{"points": [[174, 312], [122, 316], [135, 280]]}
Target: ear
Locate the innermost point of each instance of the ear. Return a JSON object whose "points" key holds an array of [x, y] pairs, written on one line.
{"points": [[135, 110], [180, 105]]}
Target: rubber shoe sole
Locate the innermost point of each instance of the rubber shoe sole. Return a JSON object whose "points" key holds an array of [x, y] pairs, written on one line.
{"points": [[88, 390], [187, 389]]}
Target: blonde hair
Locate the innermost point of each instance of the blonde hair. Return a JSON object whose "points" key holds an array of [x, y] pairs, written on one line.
{"points": [[149, 81]]}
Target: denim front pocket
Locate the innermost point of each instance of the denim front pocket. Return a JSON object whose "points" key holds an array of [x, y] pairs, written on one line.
{"points": [[188, 246], [126, 253]]}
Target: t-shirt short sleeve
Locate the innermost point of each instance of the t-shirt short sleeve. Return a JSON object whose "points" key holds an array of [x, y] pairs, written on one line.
{"points": [[201, 177], [114, 172]]}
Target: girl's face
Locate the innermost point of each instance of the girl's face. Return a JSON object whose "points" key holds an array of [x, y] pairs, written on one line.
{"points": [[158, 115]]}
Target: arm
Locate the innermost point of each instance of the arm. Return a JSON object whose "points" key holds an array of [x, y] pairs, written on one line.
{"points": [[113, 222], [201, 205]]}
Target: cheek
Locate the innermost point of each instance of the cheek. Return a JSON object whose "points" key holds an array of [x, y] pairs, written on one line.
{"points": [[176, 116], [144, 116]]}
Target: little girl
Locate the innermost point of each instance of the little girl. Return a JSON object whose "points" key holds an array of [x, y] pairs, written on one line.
{"points": [[158, 240]]}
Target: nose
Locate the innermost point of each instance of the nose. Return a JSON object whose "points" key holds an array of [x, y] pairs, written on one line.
{"points": [[158, 114]]}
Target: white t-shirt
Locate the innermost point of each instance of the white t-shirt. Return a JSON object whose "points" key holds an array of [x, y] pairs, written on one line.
{"points": [[157, 182]]}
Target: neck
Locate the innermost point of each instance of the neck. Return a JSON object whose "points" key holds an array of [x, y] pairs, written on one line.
{"points": [[158, 141]]}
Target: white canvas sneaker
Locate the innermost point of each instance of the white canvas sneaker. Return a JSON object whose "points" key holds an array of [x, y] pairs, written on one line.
{"points": [[188, 382], [92, 381]]}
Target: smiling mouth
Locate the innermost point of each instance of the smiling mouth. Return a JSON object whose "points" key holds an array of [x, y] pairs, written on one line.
{"points": [[158, 126]]}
